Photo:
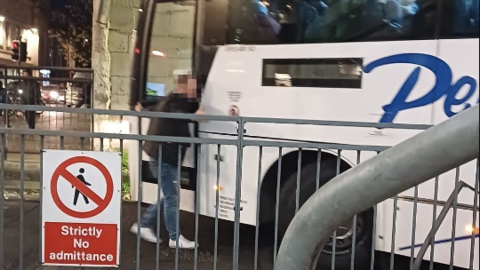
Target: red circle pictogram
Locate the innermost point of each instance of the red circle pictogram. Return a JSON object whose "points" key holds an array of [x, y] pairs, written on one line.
{"points": [[62, 171]]}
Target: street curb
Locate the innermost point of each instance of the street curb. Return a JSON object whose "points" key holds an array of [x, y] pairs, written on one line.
{"points": [[31, 170]]}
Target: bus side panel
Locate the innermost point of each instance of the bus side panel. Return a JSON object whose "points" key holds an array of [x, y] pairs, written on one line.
{"points": [[227, 181], [241, 73], [461, 68]]}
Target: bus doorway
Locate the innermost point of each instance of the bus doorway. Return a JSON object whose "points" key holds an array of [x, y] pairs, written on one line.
{"points": [[167, 51]]}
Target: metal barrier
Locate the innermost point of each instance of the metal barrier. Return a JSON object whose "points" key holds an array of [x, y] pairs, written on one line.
{"points": [[257, 180], [414, 161], [58, 89]]}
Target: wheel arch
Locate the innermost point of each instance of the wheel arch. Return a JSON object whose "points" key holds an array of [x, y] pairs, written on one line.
{"points": [[288, 167]]}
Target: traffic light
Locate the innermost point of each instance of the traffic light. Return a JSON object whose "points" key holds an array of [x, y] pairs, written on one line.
{"points": [[16, 50], [19, 51]]}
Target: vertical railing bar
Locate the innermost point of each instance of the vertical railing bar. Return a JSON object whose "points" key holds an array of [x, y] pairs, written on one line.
{"points": [[177, 227], [22, 188], [454, 218], [42, 145], [414, 225], [394, 232], [2, 203], [474, 218], [354, 227], [64, 114], [121, 200], [101, 144], [159, 209], [139, 203], [374, 235], [198, 147], [434, 217], [299, 173], [82, 143], [257, 227], [277, 203], [62, 142], [217, 207], [319, 165], [334, 238], [238, 193]]}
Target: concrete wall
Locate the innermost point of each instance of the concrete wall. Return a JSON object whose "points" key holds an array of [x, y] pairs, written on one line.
{"points": [[172, 35], [114, 45]]}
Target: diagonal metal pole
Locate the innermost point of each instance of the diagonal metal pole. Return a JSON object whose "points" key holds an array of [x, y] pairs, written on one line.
{"points": [[412, 162]]}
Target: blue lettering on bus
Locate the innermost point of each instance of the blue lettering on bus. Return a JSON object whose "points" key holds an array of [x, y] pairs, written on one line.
{"points": [[443, 241], [443, 85]]}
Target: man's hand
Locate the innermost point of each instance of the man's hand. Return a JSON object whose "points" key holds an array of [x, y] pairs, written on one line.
{"points": [[201, 111], [138, 107]]}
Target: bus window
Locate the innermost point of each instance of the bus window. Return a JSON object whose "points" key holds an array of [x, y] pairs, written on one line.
{"points": [[324, 73], [460, 19], [317, 21]]}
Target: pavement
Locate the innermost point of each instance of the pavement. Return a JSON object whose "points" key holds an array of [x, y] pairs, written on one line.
{"points": [[31, 242], [31, 167]]}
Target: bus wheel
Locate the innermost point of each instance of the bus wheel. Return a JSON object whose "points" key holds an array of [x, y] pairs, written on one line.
{"points": [[344, 234]]}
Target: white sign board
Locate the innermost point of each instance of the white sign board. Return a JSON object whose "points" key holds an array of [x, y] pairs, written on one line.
{"points": [[81, 204]]}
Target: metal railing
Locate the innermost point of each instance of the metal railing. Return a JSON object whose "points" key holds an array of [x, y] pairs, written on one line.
{"points": [[412, 162], [57, 90], [266, 172]]}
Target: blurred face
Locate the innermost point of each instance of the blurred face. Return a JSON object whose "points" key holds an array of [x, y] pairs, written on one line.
{"points": [[186, 85], [26, 74]]}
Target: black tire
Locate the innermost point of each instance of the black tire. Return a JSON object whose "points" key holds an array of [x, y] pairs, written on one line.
{"points": [[307, 188]]}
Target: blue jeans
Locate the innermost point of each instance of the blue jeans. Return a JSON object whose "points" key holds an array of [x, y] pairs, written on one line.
{"points": [[168, 203]]}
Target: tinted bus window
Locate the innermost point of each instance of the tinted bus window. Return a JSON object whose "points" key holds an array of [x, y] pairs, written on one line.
{"points": [[314, 21], [460, 19], [321, 73]]}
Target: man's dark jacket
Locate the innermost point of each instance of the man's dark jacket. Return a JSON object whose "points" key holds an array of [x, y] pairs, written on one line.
{"points": [[31, 92], [173, 103]]}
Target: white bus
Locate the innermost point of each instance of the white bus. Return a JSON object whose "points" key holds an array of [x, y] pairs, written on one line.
{"points": [[388, 61]]}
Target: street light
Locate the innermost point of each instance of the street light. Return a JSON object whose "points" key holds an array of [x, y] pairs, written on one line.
{"points": [[158, 53], [2, 19]]}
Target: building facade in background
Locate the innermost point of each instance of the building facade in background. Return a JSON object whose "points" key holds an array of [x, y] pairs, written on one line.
{"points": [[27, 20]]}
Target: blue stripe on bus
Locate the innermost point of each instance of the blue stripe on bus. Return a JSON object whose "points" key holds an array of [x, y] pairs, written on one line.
{"points": [[443, 241]]}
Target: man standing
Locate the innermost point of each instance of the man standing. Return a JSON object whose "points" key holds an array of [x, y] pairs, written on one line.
{"points": [[30, 95], [183, 99]]}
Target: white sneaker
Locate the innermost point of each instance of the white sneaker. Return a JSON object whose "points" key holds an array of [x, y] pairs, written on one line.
{"points": [[183, 243], [146, 234]]}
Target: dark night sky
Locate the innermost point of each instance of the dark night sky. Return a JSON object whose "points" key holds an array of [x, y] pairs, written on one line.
{"points": [[59, 4]]}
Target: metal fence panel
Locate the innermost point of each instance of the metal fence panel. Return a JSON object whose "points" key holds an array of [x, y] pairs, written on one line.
{"points": [[253, 180], [58, 89]]}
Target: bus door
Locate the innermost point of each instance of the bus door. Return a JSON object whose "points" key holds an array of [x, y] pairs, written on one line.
{"points": [[170, 52]]}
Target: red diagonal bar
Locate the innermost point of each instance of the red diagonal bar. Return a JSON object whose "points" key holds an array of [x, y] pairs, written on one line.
{"points": [[82, 187]]}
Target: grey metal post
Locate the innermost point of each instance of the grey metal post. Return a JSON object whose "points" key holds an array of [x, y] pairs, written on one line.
{"points": [[414, 161]]}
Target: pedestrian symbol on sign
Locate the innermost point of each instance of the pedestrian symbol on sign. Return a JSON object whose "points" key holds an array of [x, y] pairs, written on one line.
{"points": [[77, 192]]}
